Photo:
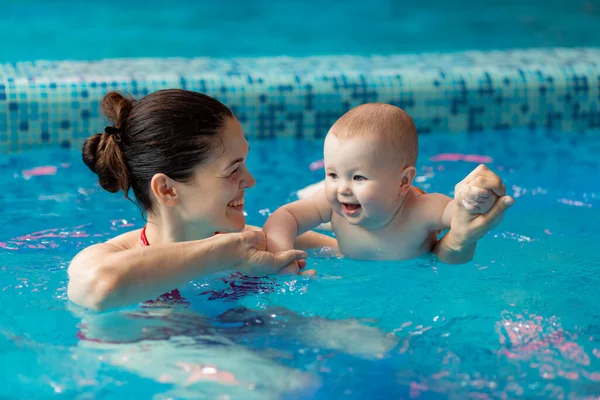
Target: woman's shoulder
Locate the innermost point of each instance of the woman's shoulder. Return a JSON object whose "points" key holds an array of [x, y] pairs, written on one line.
{"points": [[125, 241], [122, 242]]}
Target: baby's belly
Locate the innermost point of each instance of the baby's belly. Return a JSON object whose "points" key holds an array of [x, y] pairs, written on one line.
{"points": [[400, 248]]}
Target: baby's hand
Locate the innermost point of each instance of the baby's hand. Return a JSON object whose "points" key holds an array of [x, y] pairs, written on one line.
{"points": [[295, 268], [478, 192], [478, 201], [292, 269]]}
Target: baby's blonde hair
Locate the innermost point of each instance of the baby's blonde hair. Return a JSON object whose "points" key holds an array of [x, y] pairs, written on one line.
{"points": [[381, 121]]}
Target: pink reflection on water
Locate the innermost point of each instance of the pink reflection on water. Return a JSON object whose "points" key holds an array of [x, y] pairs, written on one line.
{"points": [[56, 237], [40, 171], [49, 238], [416, 389], [62, 233], [475, 158], [543, 344], [319, 164]]}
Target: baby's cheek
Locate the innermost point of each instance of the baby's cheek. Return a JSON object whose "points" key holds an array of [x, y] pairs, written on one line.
{"points": [[375, 192], [372, 202], [389, 199], [330, 194]]}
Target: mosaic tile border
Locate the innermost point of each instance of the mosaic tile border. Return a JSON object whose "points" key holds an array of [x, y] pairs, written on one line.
{"points": [[46, 103]]}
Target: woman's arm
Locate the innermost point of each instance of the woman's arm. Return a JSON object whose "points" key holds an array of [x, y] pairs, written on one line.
{"points": [[452, 250], [106, 275], [466, 225], [458, 245]]}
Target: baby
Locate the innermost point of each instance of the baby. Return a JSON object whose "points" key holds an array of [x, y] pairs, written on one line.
{"points": [[376, 214]]}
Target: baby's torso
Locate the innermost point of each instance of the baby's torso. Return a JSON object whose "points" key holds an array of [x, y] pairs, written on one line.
{"points": [[406, 238]]}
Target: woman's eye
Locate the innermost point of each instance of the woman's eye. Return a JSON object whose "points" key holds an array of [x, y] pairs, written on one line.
{"points": [[234, 171], [359, 178]]}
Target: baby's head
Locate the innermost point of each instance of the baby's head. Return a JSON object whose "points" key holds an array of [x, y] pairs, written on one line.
{"points": [[370, 157]]}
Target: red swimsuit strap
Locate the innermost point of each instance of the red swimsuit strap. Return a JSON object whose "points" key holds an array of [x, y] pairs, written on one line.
{"points": [[143, 238]]}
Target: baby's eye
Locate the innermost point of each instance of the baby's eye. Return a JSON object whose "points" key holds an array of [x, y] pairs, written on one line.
{"points": [[332, 175], [359, 178]]}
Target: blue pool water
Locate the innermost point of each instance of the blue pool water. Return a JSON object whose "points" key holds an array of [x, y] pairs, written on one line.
{"points": [[65, 29], [520, 321]]}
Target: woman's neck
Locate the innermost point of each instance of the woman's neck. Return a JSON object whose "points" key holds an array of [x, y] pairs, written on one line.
{"points": [[164, 230]]}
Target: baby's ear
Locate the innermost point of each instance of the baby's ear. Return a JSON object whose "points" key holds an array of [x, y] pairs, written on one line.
{"points": [[408, 174]]}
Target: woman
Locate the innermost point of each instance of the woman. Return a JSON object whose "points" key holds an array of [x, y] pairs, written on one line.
{"points": [[183, 155]]}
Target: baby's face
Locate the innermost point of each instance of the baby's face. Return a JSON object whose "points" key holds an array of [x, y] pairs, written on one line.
{"points": [[363, 180]]}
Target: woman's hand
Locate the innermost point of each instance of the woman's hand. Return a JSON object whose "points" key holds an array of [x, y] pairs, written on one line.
{"points": [[254, 259], [468, 223]]}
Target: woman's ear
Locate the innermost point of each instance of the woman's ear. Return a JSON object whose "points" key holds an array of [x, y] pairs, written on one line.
{"points": [[408, 174], [164, 191]]}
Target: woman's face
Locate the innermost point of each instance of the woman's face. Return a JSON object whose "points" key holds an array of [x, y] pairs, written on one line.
{"points": [[214, 199]]}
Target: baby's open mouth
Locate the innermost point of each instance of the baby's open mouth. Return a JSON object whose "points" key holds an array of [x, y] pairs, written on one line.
{"points": [[350, 209]]}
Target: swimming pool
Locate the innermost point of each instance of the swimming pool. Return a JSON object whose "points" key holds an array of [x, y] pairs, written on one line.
{"points": [[520, 321]]}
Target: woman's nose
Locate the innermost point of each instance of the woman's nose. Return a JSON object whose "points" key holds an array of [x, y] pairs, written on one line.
{"points": [[248, 181]]}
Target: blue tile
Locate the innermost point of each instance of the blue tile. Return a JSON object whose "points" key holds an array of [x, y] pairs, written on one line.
{"points": [[303, 97]]}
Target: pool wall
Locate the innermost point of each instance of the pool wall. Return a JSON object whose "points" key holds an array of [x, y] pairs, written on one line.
{"points": [[57, 103]]}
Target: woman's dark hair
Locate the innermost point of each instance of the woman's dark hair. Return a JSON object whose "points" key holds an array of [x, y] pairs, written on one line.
{"points": [[169, 131]]}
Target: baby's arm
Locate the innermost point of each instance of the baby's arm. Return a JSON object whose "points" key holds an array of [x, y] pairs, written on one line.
{"points": [[291, 220]]}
